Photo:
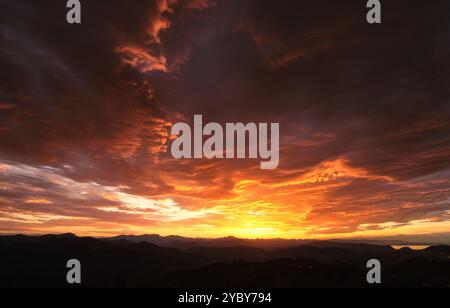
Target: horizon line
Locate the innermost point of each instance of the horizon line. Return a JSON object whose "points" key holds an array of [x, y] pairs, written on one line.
{"points": [[380, 241]]}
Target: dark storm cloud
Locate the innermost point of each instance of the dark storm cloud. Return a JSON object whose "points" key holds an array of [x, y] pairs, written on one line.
{"points": [[380, 90], [296, 62], [69, 96]]}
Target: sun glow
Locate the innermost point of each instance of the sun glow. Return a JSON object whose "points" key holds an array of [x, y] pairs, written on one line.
{"points": [[307, 205]]}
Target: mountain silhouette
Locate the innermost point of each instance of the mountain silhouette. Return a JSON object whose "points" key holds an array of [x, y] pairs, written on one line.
{"points": [[133, 261]]}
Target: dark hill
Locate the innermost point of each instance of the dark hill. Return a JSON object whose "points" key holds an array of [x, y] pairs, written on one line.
{"points": [[129, 262], [43, 263]]}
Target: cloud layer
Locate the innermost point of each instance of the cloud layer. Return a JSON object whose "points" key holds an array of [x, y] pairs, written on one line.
{"points": [[364, 113]]}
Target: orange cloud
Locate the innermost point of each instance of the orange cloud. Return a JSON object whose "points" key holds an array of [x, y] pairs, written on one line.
{"points": [[38, 201], [143, 60]]}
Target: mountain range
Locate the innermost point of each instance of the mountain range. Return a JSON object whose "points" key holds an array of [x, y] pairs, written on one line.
{"points": [[153, 261]]}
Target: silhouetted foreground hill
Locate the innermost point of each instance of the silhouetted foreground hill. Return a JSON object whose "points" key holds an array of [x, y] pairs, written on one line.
{"points": [[121, 262], [42, 262]]}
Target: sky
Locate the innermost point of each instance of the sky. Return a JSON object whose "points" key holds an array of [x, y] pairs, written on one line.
{"points": [[364, 113]]}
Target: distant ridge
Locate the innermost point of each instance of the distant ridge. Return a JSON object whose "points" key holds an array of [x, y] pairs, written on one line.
{"points": [[184, 243], [276, 243]]}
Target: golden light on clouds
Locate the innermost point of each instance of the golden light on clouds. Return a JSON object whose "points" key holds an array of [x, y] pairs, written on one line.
{"points": [[38, 201], [142, 60], [306, 206]]}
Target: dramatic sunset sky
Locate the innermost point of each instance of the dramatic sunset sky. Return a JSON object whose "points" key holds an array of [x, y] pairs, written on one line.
{"points": [[364, 113]]}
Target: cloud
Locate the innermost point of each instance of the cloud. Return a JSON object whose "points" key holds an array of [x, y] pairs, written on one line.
{"points": [[57, 197], [364, 115], [140, 59]]}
